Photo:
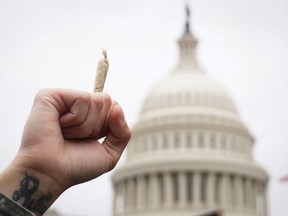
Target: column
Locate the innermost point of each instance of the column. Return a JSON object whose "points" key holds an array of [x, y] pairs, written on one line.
{"points": [[140, 193], [125, 194], [196, 188], [119, 197], [265, 199], [261, 204], [232, 192], [229, 191], [168, 196], [239, 199], [154, 192], [248, 193], [182, 189], [253, 197], [211, 183], [224, 191], [131, 194], [116, 194]]}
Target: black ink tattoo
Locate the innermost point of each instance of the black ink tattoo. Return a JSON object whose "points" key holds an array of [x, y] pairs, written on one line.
{"points": [[28, 186]]}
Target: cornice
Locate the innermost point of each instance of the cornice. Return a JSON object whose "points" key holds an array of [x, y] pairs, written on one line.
{"points": [[193, 122], [166, 164]]}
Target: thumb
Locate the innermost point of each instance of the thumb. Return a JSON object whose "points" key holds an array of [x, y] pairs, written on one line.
{"points": [[118, 136]]}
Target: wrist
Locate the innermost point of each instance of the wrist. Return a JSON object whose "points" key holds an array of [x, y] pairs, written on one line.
{"points": [[31, 189]]}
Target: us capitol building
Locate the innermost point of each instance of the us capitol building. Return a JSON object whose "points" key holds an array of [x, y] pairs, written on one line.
{"points": [[190, 153]]}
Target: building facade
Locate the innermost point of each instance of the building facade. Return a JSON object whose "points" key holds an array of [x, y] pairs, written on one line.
{"points": [[190, 153]]}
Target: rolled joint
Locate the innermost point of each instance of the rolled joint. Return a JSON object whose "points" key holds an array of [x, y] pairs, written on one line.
{"points": [[101, 73]]}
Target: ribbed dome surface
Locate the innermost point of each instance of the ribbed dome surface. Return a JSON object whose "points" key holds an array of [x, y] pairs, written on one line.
{"points": [[188, 89]]}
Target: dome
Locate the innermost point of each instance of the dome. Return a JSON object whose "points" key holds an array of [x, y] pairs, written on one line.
{"points": [[181, 89], [188, 93]]}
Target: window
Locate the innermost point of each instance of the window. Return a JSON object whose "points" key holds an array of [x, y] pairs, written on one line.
{"points": [[165, 141], [175, 184], [189, 140], [189, 187], [203, 187], [201, 140], [176, 140], [232, 143], [212, 141], [223, 142], [154, 142], [217, 189], [145, 144], [161, 187]]}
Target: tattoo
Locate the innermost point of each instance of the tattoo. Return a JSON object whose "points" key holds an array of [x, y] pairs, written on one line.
{"points": [[28, 186]]}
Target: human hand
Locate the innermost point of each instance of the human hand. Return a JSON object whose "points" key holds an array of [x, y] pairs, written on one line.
{"points": [[60, 146]]}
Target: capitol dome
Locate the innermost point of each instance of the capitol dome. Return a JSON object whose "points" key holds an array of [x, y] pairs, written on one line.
{"points": [[194, 92], [188, 89], [190, 153]]}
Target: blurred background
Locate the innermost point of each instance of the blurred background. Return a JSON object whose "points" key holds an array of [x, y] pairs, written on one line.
{"points": [[58, 44]]}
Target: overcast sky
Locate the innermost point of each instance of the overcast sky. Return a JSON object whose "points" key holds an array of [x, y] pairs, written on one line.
{"points": [[57, 43]]}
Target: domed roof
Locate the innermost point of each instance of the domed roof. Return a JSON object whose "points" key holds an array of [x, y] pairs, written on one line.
{"points": [[188, 85], [188, 97], [195, 89], [183, 82]]}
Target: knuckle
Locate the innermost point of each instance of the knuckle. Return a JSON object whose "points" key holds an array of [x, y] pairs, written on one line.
{"points": [[106, 99], [86, 98], [43, 95], [112, 163], [84, 131], [78, 118], [76, 132]]}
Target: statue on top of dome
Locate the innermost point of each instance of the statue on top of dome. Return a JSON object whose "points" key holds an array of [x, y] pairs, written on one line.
{"points": [[187, 29]]}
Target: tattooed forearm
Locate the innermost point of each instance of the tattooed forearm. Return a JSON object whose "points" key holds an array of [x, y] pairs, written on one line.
{"points": [[24, 195]]}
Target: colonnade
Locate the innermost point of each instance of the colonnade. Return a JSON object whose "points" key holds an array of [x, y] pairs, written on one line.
{"points": [[235, 144], [189, 189]]}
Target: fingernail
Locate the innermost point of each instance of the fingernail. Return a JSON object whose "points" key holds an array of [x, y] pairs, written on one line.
{"points": [[121, 116]]}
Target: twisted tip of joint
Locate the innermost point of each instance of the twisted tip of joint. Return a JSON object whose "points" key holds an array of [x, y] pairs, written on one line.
{"points": [[104, 52]]}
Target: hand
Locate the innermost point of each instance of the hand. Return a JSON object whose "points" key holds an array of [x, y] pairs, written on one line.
{"points": [[60, 144]]}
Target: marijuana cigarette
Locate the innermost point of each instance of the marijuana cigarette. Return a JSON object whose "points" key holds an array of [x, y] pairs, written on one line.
{"points": [[101, 73]]}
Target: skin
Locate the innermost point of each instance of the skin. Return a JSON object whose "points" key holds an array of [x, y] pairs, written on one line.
{"points": [[60, 146]]}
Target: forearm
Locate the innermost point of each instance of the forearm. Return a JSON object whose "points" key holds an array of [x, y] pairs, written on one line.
{"points": [[29, 188], [9, 207]]}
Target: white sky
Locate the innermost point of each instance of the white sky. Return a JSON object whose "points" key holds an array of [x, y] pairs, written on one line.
{"points": [[53, 43]]}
